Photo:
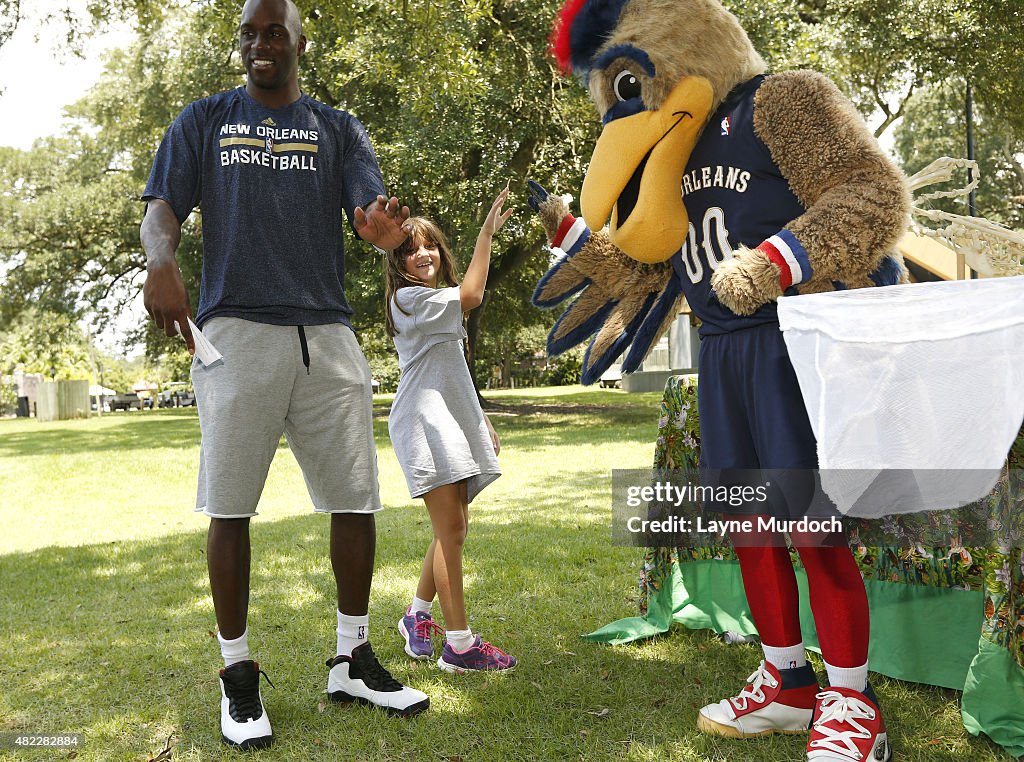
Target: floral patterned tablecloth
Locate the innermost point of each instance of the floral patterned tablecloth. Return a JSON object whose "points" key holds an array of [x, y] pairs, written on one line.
{"points": [[976, 566]]}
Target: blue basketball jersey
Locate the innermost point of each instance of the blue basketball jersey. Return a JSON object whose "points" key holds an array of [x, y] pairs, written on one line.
{"points": [[734, 194]]}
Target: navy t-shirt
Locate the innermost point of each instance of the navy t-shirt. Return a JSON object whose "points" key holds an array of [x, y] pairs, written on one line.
{"points": [[734, 194], [272, 184]]}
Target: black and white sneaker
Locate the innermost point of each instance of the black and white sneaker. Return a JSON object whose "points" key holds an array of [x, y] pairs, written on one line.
{"points": [[360, 677], [243, 720]]}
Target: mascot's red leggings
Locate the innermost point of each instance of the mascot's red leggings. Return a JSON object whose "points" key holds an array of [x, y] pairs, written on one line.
{"points": [[838, 599]]}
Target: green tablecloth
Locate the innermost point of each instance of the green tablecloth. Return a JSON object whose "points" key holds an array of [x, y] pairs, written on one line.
{"points": [[950, 615]]}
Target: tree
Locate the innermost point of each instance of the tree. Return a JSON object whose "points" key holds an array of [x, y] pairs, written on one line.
{"points": [[47, 343], [75, 27], [112, 372], [883, 51], [445, 147], [935, 126], [10, 16], [447, 144], [70, 209], [65, 227], [8, 397], [458, 96]]}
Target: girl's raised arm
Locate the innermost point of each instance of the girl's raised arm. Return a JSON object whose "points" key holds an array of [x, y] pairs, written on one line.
{"points": [[471, 293]]}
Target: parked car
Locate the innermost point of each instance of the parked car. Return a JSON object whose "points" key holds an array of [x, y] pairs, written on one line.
{"points": [[127, 401], [175, 394]]}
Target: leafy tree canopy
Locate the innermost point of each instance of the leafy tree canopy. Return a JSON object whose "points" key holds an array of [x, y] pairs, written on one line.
{"points": [[459, 97], [935, 126], [48, 343]]}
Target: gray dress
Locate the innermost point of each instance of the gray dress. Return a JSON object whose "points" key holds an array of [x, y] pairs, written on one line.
{"points": [[436, 425]]}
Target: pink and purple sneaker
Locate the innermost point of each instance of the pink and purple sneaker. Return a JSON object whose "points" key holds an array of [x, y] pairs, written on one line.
{"points": [[481, 656], [417, 629]]}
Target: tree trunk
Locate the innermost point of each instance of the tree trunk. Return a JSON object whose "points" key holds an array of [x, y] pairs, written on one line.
{"points": [[472, 337], [506, 367], [510, 260]]}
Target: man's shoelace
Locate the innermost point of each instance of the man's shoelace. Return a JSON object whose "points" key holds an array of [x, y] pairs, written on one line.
{"points": [[245, 701], [370, 667]]}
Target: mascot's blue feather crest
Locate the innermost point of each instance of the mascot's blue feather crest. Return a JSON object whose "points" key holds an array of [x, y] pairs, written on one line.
{"points": [[590, 28]]}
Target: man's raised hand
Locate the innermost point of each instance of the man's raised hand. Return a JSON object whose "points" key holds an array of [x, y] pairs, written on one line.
{"points": [[382, 223]]}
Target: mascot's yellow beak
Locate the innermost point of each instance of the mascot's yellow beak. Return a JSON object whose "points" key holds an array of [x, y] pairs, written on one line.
{"points": [[636, 172]]}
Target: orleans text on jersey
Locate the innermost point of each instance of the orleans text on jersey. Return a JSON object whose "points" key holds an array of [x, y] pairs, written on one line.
{"points": [[268, 145]]}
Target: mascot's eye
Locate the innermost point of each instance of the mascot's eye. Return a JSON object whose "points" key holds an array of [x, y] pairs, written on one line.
{"points": [[626, 85]]}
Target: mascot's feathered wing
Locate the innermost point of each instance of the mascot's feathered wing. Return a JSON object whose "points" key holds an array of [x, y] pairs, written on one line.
{"points": [[773, 182]]}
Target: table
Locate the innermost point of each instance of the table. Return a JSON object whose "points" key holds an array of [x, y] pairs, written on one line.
{"points": [[944, 613]]}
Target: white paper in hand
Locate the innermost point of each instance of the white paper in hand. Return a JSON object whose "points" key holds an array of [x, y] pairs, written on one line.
{"points": [[205, 351]]}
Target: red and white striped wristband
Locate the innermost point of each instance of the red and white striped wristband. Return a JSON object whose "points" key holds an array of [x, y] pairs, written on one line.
{"points": [[569, 232], [786, 252]]}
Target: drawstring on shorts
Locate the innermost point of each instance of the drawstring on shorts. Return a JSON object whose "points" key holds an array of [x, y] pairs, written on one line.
{"points": [[305, 348]]}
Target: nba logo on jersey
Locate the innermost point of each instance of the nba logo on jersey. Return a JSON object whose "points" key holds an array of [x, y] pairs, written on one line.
{"points": [[362, 628], [270, 144], [725, 126]]}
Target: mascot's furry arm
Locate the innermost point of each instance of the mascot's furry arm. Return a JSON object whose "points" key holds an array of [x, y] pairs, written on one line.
{"points": [[856, 202], [631, 302]]}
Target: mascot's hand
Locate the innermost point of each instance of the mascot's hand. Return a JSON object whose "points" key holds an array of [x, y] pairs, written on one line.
{"points": [[746, 282], [551, 210], [622, 301]]}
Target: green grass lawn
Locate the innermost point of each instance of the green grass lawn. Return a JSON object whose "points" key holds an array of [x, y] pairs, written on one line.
{"points": [[106, 623]]}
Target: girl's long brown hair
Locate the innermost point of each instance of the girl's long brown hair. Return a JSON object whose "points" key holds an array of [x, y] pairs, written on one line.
{"points": [[421, 230]]}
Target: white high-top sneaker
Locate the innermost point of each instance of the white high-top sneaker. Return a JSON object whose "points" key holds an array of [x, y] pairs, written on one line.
{"points": [[244, 723], [360, 677]]}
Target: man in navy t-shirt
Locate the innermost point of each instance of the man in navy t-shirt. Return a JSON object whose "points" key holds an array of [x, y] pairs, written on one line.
{"points": [[274, 171]]}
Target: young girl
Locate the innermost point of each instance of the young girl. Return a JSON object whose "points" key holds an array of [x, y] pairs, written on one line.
{"points": [[444, 442]]}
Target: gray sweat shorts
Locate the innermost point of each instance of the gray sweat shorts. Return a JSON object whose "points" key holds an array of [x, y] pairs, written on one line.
{"points": [[263, 389]]}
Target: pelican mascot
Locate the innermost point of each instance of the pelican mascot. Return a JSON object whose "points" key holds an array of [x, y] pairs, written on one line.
{"points": [[718, 183]]}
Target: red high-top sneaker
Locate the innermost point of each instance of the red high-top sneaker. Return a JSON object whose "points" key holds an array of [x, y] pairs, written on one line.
{"points": [[773, 701]]}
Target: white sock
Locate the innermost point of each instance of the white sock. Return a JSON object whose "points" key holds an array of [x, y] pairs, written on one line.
{"points": [[418, 604], [460, 640], [855, 678], [353, 631], [787, 657], [235, 650]]}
